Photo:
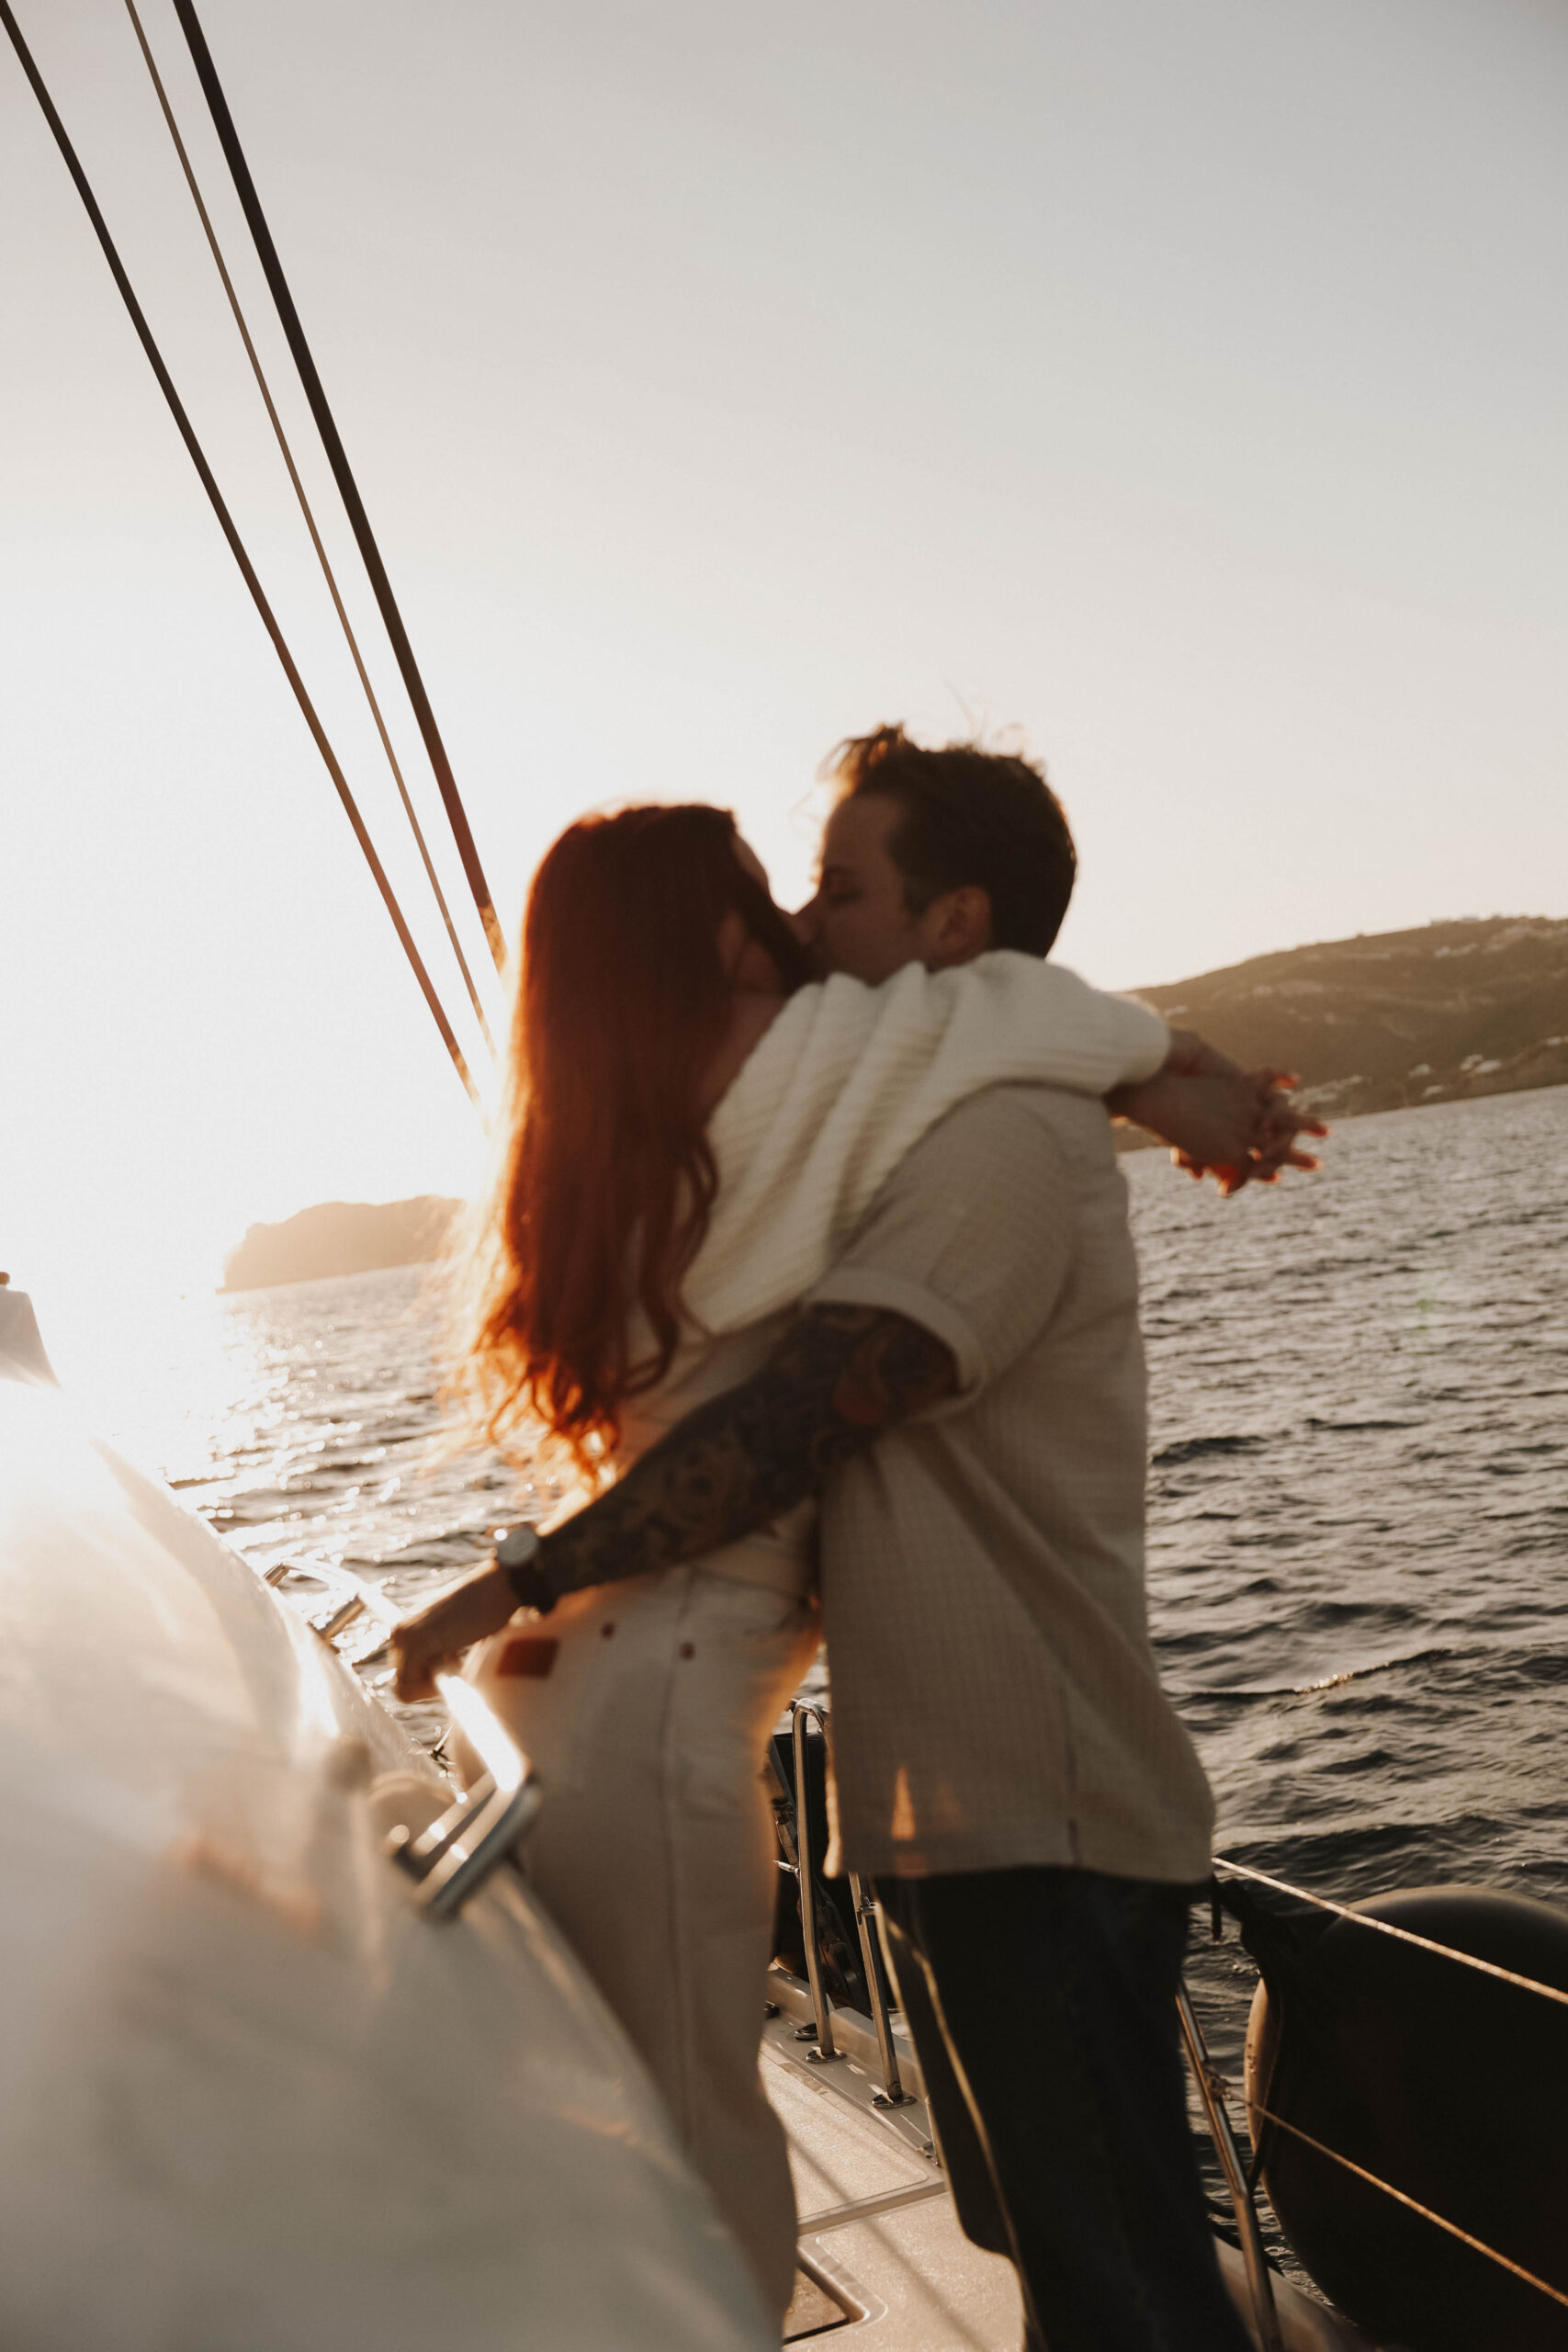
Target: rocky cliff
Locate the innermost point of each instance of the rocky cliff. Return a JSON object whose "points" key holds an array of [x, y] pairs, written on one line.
{"points": [[341, 1237], [1456, 1009]]}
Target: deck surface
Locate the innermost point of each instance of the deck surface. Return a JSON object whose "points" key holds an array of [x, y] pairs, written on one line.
{"points": [[910, 2278]]}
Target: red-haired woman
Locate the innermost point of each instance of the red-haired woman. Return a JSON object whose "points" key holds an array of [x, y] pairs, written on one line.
{"points": [[686, 1148]]}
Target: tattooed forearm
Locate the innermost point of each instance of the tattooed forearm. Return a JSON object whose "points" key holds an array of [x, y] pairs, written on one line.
{"points": [[839, 1375]]}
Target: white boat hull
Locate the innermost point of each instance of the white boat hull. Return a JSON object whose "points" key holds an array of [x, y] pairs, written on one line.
{"points": [[249, 2101]]}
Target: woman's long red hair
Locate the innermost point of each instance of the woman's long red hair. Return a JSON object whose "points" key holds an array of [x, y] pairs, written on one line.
{"points": [[605, 1181]]}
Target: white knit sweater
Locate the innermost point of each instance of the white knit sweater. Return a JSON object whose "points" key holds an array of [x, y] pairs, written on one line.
{"points": [[850, 1078]]}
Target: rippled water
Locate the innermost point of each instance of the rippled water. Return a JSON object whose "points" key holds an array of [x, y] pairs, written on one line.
{"points": [[1359, 1501], [1359, 1497]]}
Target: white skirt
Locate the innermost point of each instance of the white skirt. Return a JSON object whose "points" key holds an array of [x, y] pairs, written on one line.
{"points": [[645, 1708]]}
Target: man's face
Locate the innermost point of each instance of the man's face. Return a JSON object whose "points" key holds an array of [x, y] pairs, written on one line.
{"points": [[858, 923]]}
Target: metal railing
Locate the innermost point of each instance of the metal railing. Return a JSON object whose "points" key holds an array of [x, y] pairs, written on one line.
{"points": [[893, 2093], [827, 2048], [451, 1861], [448, 1862], [1212, 2088]]}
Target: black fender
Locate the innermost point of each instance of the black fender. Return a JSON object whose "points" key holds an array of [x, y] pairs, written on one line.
{"points": [[1447, 2083]]}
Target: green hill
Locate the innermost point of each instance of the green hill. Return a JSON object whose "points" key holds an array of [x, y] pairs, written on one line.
{"points": [[1373, 1022]]}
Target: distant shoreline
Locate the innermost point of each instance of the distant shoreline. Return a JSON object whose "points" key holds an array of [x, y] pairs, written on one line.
{"points": [[342, 1237], [1391, 1021]]}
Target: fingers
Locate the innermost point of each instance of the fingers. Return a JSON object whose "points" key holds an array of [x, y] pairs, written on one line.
{"points": [[415, 1664], [411, 1678]]}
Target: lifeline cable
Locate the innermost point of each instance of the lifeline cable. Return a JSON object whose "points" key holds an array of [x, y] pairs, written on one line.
{"points": [[305, 508], [226, 522], [1403, 1935], [337, 457], [1426, 2213]]}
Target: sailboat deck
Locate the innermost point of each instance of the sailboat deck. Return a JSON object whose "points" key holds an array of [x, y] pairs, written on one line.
{"points": [[881, 2248]]}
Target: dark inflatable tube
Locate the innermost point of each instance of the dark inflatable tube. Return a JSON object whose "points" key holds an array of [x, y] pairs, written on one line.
{"points": [[1449, 2084]]}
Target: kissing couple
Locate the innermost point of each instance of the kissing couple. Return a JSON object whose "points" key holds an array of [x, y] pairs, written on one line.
{"points": [[807, 1253]]}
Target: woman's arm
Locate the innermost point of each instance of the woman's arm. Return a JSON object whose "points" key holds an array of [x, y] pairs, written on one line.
{"points": [[839, 1376], [850, 1078], [1239, 1125]]}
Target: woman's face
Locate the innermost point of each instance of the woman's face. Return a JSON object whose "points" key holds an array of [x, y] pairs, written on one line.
{"points": [[747, 965]]}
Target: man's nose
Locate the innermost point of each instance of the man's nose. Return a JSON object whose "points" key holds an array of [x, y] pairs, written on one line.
{"points": [[803, 924]]}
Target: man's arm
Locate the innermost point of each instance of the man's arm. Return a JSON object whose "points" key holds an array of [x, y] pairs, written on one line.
{"points": [[839, 1376]]}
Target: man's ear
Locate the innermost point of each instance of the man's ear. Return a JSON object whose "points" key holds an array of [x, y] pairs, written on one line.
{"points": [[956, 927]]}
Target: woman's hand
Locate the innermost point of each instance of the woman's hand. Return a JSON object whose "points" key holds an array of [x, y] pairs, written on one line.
{"points": [[465, 1614], [1278, 1121], [1238, 1126], [1211, 1120]]}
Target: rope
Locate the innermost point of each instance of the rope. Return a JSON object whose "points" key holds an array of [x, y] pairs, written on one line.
{"points": [[226, 522], [1401, 1935], [305, 509], [1415, 2206], [337, 457]]}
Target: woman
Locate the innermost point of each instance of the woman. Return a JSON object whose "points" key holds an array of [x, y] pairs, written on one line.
{"points": [[684, 1146]]}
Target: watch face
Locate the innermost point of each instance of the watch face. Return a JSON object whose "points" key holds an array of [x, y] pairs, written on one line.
{"points": [[514, 1545]]}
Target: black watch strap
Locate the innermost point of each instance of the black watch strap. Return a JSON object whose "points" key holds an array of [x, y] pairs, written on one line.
{"points": [[531, 1587], [517, 1551]]}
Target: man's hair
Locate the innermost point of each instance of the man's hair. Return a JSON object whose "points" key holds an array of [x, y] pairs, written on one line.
{"points": [[969, 817]]}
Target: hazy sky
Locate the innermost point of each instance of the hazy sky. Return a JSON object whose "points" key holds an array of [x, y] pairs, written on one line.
{"points": [[1181, 388]]}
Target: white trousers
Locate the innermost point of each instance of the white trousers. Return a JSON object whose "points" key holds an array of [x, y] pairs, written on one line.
{"points": [[645, 1708]]}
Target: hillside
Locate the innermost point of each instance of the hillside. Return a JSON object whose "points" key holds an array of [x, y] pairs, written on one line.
{"points": [[1455, 1009], [340, 1237], [1372, 1023]]}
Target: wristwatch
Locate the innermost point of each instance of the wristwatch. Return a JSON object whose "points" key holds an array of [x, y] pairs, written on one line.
{"points": [[517, 1551]]}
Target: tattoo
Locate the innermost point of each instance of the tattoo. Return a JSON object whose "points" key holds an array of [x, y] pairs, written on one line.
{"points": [[839, 1376]]}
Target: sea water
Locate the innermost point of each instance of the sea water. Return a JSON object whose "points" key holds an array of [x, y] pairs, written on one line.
{"points": [[1357, 1490]]}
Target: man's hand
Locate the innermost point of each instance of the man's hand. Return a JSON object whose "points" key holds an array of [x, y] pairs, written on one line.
{"points": [[465, 1614]]}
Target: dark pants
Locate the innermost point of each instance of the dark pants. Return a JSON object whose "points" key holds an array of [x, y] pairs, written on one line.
{"points": [[1043, 2006]]}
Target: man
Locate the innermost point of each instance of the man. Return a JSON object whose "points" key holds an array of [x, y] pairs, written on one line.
{"points": [[966, 1388], [983, 1580]]}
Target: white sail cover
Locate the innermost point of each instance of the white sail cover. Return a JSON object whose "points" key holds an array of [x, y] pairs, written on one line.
{"points": [[249, 2101]]}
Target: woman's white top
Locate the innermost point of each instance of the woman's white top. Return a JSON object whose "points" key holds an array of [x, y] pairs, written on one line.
{"points": [[850, 1078], [845, 1082]]}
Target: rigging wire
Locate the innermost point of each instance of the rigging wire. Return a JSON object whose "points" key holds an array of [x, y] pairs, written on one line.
{"points": [[223, 122], [226, 522], [305, 508]]}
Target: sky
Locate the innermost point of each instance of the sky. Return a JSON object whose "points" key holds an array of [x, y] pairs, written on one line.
{"points": [[1175, 393]]}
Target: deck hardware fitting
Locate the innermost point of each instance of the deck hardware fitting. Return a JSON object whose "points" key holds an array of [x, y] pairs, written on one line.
{"points": [[451, 1859]]}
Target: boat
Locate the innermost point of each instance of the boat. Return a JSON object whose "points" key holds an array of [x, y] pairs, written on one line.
{"points": [[274, 2076], [293, 2057]]}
